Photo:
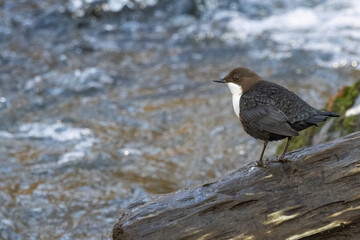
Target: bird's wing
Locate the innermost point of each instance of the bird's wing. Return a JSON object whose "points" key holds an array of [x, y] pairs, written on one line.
{"points": [[267, 118], [294, 108]]}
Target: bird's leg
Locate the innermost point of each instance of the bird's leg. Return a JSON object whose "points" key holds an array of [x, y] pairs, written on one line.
{"points": [[286, 147], [260, 162]]}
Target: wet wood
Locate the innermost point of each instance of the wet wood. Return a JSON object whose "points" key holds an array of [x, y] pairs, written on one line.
{"points": [[315, 196]]}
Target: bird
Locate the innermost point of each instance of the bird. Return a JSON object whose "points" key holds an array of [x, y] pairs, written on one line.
{"points": [[268, 111]]}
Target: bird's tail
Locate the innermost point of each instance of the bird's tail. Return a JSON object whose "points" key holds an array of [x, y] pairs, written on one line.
{"points": [[321, 116], [329, 114]]}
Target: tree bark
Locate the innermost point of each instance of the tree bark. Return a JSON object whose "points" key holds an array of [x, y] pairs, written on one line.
{"points": [[315, 195]]}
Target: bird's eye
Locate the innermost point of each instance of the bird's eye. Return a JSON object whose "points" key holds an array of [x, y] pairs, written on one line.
{"points": [[236, 77]]}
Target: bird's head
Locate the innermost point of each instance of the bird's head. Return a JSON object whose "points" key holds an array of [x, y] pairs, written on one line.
{"points": [[239, 80]]}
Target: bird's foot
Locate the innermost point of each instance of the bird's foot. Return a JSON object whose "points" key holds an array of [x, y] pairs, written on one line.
{"points": [[283, 160], [260, 164]]}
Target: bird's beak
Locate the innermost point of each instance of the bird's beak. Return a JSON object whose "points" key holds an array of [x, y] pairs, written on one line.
{"points": [[221, 80]]}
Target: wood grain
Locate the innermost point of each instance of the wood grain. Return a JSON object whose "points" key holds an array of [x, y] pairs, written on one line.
{"points": [[316, 195]]}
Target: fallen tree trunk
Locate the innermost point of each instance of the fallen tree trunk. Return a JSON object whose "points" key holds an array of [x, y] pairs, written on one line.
{"points": [[315, 196]]}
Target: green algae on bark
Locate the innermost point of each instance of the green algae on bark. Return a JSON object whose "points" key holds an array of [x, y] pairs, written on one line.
{"points": [[344, 99]]}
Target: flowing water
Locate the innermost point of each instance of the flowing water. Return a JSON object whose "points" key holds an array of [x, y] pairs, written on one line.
{"points": [[105, 101]]}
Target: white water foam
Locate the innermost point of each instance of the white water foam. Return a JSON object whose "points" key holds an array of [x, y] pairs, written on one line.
{"points": [[332, 27]]}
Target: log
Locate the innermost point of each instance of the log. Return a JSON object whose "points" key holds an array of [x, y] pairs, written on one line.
{"points": [[315, 195]]}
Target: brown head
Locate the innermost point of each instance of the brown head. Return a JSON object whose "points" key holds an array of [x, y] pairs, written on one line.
{"points": [[243, 77]]}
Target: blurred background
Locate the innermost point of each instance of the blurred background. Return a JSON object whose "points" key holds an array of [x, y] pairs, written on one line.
{"points": [[103, 102]]}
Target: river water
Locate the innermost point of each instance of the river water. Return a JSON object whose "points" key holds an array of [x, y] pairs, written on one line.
{"points": [[105, 101]]}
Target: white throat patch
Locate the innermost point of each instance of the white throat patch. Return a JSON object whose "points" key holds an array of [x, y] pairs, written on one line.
{"points": [[236, 91]]}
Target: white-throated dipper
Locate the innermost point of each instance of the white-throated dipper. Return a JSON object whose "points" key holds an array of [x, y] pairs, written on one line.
{"points": [[268, 111]]}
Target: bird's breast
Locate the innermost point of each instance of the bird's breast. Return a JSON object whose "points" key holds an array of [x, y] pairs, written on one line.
{"points": [[236, 92], [236, 104]]}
